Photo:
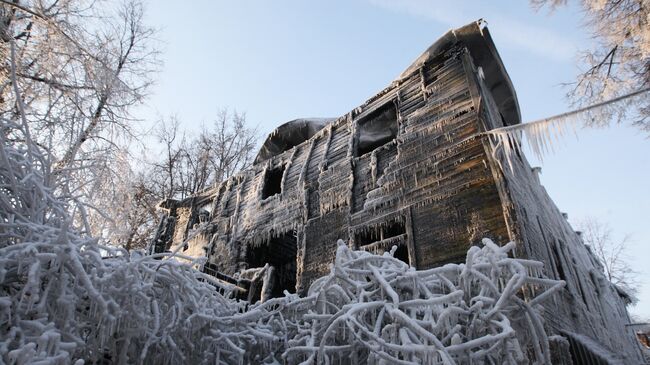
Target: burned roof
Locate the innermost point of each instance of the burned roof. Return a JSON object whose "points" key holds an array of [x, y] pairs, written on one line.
{"points": [[289, 135], [474, 36]]}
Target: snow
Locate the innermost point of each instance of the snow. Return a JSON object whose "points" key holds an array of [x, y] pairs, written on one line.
{"points": [[66, 303]]}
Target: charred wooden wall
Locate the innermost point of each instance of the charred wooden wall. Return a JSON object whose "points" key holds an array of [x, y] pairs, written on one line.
{"points": [[434, 190], [433, 175], [589, 306]]}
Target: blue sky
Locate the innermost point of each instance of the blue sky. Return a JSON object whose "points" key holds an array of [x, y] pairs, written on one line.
{"points": [[281, 60]]}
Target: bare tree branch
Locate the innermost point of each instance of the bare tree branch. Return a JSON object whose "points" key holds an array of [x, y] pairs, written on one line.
{"points": [[618, 64], [612, 253]]}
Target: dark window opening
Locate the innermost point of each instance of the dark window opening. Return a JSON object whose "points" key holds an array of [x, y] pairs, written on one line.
{"points": [[272, 182], [402, 254], [198, 216], [382, 232], [280, 253], [560, 269], [377, 129], [203, 215], [394, 229], [367, 237]]}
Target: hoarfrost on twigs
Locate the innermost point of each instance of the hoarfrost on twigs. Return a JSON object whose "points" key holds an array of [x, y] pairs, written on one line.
{"points": [[67, 302]]}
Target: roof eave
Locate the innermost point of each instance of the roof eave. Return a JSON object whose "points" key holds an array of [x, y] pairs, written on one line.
{"points": [[476, 38]]}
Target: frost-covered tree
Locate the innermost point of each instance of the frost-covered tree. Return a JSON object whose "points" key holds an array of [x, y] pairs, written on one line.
{"points": [[619, 61], [612, 253], [191, 163], [125, 204], [221, 149], [181, 164], [79, 66]]}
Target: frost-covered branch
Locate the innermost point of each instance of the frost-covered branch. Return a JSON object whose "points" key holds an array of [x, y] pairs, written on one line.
{"points": [[542, 134], [66, 301], [376, 309], [616, 63]]}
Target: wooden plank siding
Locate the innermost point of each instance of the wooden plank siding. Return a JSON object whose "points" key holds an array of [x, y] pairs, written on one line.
{"points": [[440, 177]]}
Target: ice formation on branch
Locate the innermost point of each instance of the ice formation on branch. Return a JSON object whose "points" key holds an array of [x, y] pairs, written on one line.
{"points": [[376, 309], [541, 134], [62, 301]]}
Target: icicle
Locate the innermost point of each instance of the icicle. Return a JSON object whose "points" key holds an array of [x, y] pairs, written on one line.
{"points": [[541, 134]]}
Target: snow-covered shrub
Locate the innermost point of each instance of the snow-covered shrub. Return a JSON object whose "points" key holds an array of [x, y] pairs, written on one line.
{"points": [[376, 309], [61, 301], [65, 299]]}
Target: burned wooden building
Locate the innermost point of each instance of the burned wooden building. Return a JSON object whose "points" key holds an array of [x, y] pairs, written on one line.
{"points": [[411, 168]]}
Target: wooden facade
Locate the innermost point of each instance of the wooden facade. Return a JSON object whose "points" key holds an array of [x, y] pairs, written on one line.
{"points": [[427, 181]]}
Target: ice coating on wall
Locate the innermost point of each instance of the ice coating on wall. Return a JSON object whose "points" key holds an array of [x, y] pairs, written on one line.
{"points": [[433, 189], [590, 307]]}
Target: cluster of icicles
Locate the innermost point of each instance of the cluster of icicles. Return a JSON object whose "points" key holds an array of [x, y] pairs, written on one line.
{"points": [[63, 302]]}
